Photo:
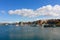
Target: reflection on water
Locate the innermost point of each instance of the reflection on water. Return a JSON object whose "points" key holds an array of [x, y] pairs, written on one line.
{"points": [[12, 32]]}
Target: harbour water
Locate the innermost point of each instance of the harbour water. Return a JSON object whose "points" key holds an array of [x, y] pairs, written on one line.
{"points": [[13, 32]]}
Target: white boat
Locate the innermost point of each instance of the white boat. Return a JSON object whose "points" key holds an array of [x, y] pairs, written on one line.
{"points": [[6, 24], [17, 25]]}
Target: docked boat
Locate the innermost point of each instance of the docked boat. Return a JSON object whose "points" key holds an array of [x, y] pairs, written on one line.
{"points": [[17, 25], [49, 25]]}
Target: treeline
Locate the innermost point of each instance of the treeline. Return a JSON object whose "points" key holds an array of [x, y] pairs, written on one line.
{"points": [[40, 22]]}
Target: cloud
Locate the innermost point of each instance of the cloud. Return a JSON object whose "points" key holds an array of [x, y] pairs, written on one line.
{"points": [[24, 12], [47, 10]]}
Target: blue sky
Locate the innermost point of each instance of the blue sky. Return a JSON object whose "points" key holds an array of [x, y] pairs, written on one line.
{"points": [[7, 5]]}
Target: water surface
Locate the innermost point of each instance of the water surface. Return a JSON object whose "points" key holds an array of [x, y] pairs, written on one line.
{"points": [[13, 32]]}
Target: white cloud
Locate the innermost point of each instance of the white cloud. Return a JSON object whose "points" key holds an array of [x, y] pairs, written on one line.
{"points": [[24, 12], [48, 10]]}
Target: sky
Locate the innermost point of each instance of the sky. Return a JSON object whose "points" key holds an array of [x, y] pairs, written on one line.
{"points": [[28, 10]]}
